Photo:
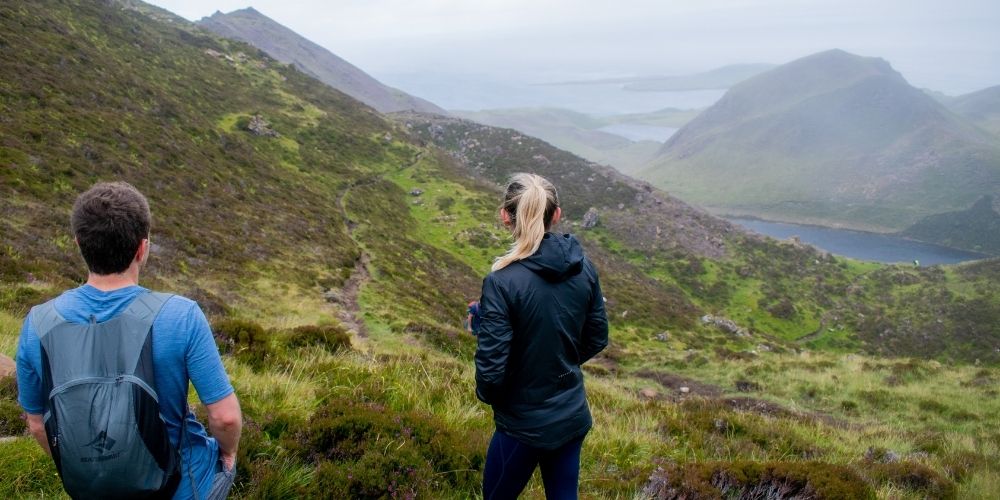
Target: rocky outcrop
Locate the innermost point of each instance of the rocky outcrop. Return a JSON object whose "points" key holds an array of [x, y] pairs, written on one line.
{"points": [[260, 127], [725, 324], [590, 218]]}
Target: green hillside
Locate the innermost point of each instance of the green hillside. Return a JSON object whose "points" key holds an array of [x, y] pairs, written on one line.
{"points": [[834, 139], [976, 228], [337, 295]]}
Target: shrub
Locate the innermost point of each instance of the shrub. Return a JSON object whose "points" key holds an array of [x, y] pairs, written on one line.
{"points": [[772, 480], [18, 299], [449, 340], [849, 406], [263, 470], [8, 388], [11, 419], [366, 449], [244, 340], [333, 338], [960, 465], [11, 416], [911, 476]]}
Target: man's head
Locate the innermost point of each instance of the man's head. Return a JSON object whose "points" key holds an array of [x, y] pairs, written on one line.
{"points": [[110, 222]]}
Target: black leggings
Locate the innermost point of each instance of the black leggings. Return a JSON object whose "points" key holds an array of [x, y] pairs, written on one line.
{"points": [[510, 463]]}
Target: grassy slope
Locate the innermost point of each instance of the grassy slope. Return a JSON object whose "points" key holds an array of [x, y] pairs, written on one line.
{"points": [[259, 228]]}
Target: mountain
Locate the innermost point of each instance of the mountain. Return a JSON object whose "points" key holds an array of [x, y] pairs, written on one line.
{"points": [[976, 228], [285, 45], [334, 250], [833, 139], [578, 133], [982, 107]]}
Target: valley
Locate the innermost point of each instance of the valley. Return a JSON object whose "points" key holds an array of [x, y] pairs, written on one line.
{"points": [[334, 249]]}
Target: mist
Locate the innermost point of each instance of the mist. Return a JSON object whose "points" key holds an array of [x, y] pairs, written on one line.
{"points": [[952, 48]]}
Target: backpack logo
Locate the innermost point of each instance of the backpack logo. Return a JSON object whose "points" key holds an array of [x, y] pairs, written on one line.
{"points": [[101, 443]]}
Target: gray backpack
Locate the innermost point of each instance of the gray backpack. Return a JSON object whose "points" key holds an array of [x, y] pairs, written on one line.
{"points": [[102, 413]]}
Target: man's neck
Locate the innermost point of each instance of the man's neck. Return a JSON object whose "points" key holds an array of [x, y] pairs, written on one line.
{"points": [[108, 282]]}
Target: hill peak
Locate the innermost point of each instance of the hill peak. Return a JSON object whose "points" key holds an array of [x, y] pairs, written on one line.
{"points": [[832, 137], [285, 45]]}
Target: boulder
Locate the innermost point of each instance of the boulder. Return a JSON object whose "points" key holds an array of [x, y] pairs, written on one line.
{"points": [[590, 218], [260, 127]]}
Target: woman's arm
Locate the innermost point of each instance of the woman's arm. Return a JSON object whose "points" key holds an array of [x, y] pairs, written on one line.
{"points": [[493, 339], [595, 327]]}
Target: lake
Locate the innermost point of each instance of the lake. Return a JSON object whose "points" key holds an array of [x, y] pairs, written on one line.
{"points": [[637, 132], [861, 245]]}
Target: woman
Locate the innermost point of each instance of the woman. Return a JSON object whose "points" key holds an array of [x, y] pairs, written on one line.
{"points": [[542, 317]]}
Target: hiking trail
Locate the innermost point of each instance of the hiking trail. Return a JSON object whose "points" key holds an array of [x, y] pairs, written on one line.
{"points": [[349, 312]]}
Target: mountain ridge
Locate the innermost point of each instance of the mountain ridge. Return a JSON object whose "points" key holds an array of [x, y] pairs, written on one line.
{"points": [[981, 106], [251, 26]]}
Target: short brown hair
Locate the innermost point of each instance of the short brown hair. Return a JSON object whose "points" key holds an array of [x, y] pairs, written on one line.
{"points": [[110, 220]]}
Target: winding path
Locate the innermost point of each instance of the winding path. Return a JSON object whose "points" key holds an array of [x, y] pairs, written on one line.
{"points": [[350, 311]]}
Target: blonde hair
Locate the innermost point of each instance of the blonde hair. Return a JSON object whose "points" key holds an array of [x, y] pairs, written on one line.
{"points": [[530, 200]]}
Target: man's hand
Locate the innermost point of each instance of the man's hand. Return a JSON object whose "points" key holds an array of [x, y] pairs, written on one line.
{"points": [[228, 461]]}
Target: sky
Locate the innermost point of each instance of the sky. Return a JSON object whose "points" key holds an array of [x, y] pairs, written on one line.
{"points": [[952, 46]]}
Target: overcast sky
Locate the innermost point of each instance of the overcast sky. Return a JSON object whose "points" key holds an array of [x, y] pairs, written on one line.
{"points": [[952, 46]]}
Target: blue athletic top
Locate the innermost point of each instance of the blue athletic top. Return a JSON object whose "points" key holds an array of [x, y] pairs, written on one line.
{"points": [[183, 350]]}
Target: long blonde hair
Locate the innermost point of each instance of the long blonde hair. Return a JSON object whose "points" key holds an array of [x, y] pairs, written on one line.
{"points": [[530, 200]]}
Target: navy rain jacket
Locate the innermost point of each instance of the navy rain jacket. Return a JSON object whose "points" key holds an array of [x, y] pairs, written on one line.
{"points": [[542, 317]]}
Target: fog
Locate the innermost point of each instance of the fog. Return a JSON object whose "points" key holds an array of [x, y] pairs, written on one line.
{"points": [[952, 47]]}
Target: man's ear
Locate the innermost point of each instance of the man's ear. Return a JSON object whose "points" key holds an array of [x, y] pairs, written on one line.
{"points": [[142, 253]]}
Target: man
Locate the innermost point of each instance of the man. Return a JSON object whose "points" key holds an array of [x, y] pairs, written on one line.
{"points": [[111, 224]]}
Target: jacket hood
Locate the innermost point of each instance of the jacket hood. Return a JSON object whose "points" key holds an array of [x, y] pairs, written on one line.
{"points": [[558, 258]]}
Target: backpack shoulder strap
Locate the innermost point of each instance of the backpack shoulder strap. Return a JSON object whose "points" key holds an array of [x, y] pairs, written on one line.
{"points": [[45, 317], [147, 305]]}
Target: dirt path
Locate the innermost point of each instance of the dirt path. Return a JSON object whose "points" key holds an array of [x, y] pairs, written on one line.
{"points": [[350, 309]]}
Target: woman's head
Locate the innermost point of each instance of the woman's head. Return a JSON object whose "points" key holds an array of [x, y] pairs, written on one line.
{"points": [[530, 207]]}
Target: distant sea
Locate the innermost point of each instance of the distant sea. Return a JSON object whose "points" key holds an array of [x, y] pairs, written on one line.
{"points": [[469, 93], [861, 245]]}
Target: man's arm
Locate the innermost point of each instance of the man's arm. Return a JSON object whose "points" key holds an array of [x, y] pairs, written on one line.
{"points": [[225, 422], [30, 393], [37, 429]]}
